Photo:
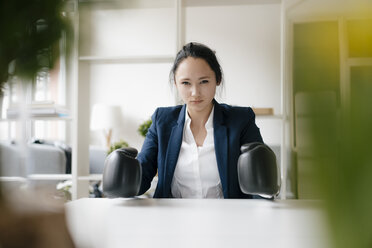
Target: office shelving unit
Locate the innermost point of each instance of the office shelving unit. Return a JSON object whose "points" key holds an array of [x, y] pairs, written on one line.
{"points": [[27, 132], [82, 62]]}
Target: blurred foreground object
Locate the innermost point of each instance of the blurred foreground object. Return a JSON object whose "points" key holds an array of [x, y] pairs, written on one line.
{"points": [[33, 230], [28, 31], [333, 119]]}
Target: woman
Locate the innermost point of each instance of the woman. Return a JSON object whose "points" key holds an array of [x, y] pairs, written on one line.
{"points": [[195, 147]]}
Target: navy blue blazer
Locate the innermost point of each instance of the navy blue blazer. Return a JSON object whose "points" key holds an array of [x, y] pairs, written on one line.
{"points": [[233, 127]]}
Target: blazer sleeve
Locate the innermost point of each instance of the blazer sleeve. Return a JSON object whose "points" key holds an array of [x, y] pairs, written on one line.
{"points": [[250, 133], [148, 156]]}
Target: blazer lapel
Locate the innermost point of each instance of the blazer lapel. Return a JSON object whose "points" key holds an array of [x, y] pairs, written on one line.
{"points": [[220, 146], [173, 150]]}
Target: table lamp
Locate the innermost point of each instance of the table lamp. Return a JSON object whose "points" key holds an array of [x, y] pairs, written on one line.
{"points": [[106, 118]]}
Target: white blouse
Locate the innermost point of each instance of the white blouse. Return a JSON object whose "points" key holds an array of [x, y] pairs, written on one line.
{"points": [[196, 173]]}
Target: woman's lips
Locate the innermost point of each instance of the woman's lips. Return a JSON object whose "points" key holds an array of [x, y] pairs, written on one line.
{"points": [[196, 101]]}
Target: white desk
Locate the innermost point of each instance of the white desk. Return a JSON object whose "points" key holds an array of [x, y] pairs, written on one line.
{"points": [[136, 223]]}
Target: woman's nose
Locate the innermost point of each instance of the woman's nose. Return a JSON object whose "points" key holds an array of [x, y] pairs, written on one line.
{"points": [[194, 91]]}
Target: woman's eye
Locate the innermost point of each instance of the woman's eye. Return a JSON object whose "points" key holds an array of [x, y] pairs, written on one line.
{"points": [[204, 81], [185, 83]]}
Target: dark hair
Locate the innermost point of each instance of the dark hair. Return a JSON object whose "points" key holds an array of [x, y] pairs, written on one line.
{"points": [[197, 50]]}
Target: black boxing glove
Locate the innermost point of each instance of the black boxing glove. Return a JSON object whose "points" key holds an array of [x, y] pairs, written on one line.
{"points": [[122, 173], [258, 172]]}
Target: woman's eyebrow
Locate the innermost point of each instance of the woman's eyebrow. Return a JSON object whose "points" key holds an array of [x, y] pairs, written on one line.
{"points": [[204, 77], [200, 78], [183, 78]]}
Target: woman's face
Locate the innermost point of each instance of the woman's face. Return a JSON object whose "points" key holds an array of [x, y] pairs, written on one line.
{"points": [[196, 84]]}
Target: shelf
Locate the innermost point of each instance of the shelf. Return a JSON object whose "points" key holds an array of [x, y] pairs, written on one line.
{"points": [[126, 59], [169, 3], [62, 118], [54, 177], [129, 3], [197, 3], [50, 177], [91, 177], [49, 118], [13, 179]]}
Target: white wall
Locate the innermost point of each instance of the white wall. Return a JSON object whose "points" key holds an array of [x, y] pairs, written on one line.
{"points": [[245, 37], [138, 89], [247, 42], [129, 32]]}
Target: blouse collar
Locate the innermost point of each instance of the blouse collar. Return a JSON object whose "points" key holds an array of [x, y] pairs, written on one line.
{"points": [[208, 124]]}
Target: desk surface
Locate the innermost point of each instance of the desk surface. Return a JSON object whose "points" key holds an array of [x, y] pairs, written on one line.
{"points": [[112, 223]]}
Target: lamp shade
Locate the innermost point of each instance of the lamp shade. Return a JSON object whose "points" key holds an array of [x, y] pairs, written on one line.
{"points": [[105, 117]]}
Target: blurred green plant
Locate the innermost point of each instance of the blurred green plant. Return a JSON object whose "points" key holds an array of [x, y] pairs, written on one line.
{"points": [[117, 145], [65, 188], [28, 32], [29, 35], [144, 127], [338, 148], [343, 169]]}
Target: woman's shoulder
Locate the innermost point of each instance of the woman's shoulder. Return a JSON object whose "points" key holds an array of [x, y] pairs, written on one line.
{"points": [[167, 113], [169, 110], [236, 110]]}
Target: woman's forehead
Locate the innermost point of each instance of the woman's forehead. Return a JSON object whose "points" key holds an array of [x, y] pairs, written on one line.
{"points": [[194, 67]]}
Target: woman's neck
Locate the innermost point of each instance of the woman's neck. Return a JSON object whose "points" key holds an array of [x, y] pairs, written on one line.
{"points": [[199, 118]]}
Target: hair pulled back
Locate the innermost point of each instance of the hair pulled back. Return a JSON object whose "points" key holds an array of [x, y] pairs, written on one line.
{"points": [[197, 50]]}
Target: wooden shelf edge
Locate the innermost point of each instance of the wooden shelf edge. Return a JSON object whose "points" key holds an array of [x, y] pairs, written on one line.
{"points": [[276, 117]]}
